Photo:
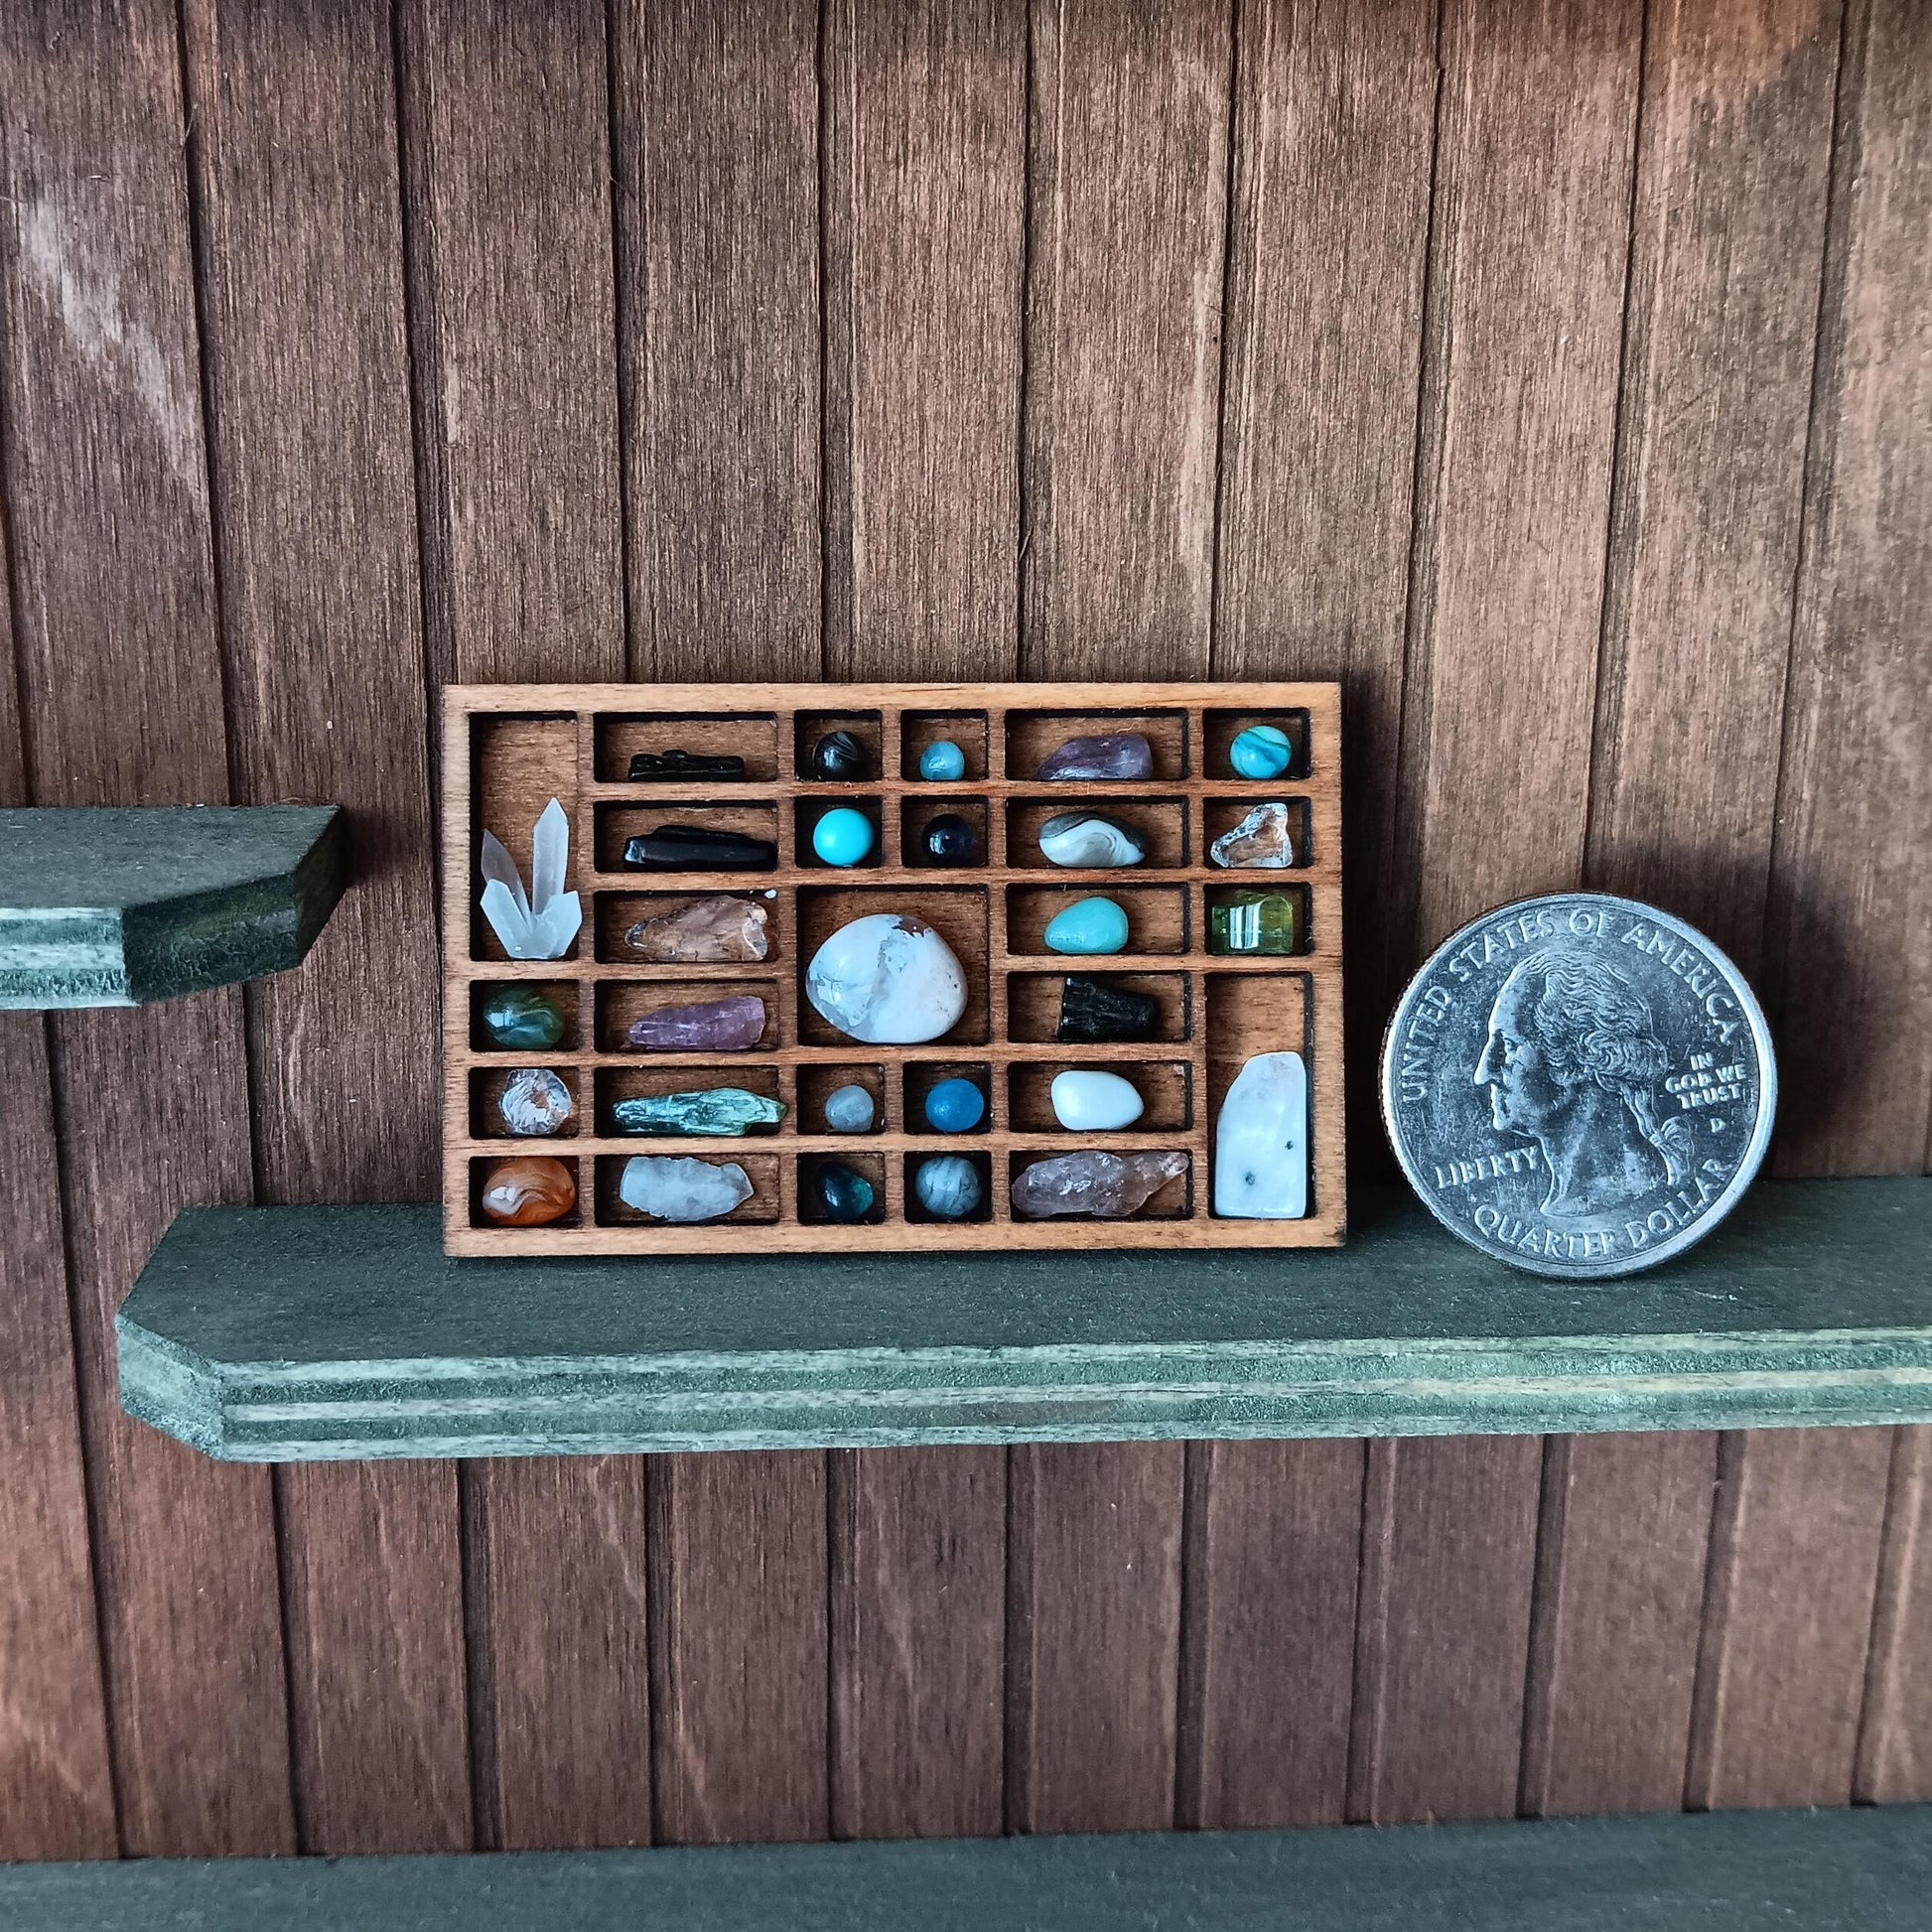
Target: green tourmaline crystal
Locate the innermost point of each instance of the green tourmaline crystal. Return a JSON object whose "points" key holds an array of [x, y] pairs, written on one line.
{"points": [[1251, 921], [720, 1111], [520, 1018]]}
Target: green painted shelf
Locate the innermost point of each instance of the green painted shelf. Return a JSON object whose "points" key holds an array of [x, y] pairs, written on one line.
{"points": [[1745, 1872], [338, 1333], [110, 907]]}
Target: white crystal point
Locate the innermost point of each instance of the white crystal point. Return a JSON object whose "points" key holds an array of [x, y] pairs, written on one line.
{"points": [[675, 1188], [542, 924], [549, 856], [1260, 1142], [888, 980], [1088, 1102], [1082, 839]]}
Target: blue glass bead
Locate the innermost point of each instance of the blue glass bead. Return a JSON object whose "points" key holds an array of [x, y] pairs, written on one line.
{"points": [[1261, 751], [955, 1107], [948, 1185], [843, 837], [942, 762], [1088, 925]]}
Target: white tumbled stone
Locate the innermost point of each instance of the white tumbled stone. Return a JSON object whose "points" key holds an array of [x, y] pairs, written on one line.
{"points": [[1260, 1142], [1082, 839], [1090, 1102], [676, 1187], [888, 980]]}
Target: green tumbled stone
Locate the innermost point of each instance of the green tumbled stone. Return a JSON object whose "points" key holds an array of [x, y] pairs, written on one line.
{"points": [[521, 1016], [721, 1111], [1253, 923]]}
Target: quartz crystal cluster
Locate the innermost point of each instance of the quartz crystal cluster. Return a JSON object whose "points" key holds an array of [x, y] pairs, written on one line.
{"points": [[542, 922]]}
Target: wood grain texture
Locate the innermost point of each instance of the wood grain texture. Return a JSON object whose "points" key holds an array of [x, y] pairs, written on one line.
{"points": [[508, 186], [739, 1649], [1093, 1636], [1271, 1610], [718, 333], [1855, 800], [107, 494], [919, 1598], [1127, 165], [1894, 1763], [926, 130], [1614, 1647], [1787, 1620], [1449, 1558], [295, 160]]}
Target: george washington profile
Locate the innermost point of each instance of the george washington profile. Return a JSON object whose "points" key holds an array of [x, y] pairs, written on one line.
{"points": [[1572, 1061]]}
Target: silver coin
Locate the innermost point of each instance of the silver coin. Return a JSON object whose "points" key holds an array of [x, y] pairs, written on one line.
{"points": [[1578, 1084]]}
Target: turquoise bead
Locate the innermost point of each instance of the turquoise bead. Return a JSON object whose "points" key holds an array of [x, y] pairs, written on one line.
{"points": [[942, 762], [1088, 925], [1261, 751], [955, 1107], [843, 837]]}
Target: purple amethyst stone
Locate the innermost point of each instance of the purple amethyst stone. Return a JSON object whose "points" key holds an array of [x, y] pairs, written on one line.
{"points": [[712, 1027], [1118, 754]]}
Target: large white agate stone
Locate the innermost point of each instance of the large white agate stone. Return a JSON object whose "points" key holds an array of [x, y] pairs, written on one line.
{"points": [[888, 980], [1260, 1142], [675, 1188], [1089, 1102], [1086, 839]]}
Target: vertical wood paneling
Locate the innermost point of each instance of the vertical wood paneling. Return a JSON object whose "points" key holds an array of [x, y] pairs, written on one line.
{"points": [[1094, 1637], [923, 184], [509, 212], [739, 1666], [1794, 1559], [106, 485], [716, 137], [1271, 1615], [1894, 1763], [294, 158], [1126, 220]]}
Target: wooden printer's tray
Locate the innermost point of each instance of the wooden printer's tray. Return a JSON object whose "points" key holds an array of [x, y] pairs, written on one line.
{"points": [[510, 749]]}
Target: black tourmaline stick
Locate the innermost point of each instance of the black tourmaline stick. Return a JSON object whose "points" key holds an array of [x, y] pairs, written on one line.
{"points": [[685, 765], [691, 848]]}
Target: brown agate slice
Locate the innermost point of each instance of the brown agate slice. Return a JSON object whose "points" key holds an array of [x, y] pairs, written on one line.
{"points": [[703, 933], [529, 1193]]}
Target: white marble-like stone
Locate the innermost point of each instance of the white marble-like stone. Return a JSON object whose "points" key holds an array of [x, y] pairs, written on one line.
{"points": [[675, 1188], [1260, 1142], [1085, 839], [1086, 1101], [888, 980], [849, 1110]]}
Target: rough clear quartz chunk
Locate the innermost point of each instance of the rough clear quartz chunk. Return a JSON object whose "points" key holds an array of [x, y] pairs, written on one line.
{"points": [[1108, 1186], [1260, 1142], [1262, 839], [728, 1026], [1113, 754], [679, 1187], [534, 1101], [1085, 839], [716, 1111], [888, 980], [708, 931]]}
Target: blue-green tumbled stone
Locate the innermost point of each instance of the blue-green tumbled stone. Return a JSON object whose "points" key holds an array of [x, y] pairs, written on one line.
{"points": [[942, 762], [844, 1194], [519, 1017], [1261, 751], [1088, 925], [719, 1111]]}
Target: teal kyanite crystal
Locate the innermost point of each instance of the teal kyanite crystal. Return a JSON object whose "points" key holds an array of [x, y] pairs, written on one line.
{"points": [[1088, 925], [844, 1194], [720, 1111], [520, 1018], [1261, 751]]}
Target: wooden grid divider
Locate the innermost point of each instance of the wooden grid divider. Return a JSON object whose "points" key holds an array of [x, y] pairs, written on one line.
{"points": [[509, 748]]}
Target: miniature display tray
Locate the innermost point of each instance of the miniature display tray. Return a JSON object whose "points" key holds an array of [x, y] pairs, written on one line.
{"points": [[509, 748]]}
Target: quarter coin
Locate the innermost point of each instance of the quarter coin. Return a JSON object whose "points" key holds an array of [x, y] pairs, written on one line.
{"points": [[1578, 1084]]}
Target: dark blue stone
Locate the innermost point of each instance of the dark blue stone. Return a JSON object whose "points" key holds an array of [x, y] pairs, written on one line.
{"points": [[951, 841], [844, 1194]]}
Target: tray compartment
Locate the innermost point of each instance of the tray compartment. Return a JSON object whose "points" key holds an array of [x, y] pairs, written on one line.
{"points": [[754, 735], [966, 729], [1160, 825], [1033, 1007], [1157, 919], [1222, 727], [1167, 1088], [1034, 736]]}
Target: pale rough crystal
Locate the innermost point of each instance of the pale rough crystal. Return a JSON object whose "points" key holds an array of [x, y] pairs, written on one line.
{"points": [[677, 1187], [1107, 1186], [534, 1101], [888, 980], [703, 933], [1260, 1142], [1262, 839]]}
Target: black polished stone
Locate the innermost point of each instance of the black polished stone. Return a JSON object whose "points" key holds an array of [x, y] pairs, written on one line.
{"points": [[844, 1194], [1094, 1009], [694, 848], [840, 756], [950, 840], [685, 765]]}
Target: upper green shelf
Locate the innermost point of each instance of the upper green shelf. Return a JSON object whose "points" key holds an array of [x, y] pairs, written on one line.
{"points": [[119, 907], [331, 1333]]}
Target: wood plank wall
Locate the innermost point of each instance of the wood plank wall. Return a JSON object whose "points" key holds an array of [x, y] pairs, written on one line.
{"points": [[1554, 372]]}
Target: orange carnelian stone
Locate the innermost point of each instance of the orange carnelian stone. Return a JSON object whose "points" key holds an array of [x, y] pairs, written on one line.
{"points": [[529, 1193]]}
